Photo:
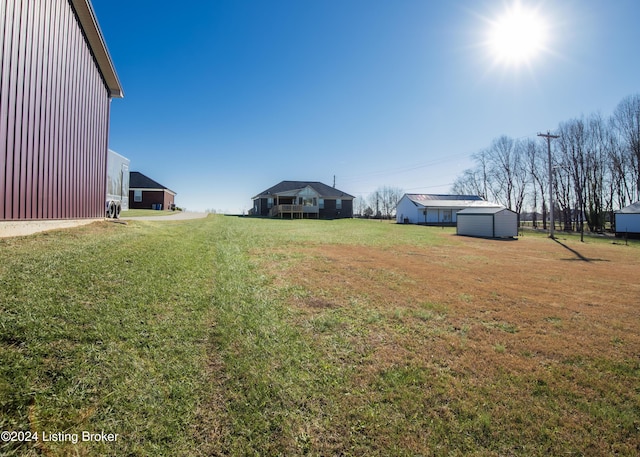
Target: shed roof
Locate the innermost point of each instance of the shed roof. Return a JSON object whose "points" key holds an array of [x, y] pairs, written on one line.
{"points": [[486, 210], [631, 209], [139, 181], [322, 189], [94, 36], [449, 201]]}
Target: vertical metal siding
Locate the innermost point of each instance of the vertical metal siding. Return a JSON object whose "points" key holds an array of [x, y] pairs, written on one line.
{"points": [[505, 224], [480, 225], [54, 114]]}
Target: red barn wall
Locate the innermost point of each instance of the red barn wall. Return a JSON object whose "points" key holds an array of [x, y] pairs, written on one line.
{"points": [[54, 115]]}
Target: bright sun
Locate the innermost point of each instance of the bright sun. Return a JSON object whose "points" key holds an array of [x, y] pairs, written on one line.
{"points": [[518, 36]]}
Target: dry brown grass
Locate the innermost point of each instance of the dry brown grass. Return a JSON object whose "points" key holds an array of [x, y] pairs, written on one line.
{"points": [[531, 342]]}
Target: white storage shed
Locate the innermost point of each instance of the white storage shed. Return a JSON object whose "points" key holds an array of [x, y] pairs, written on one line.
{"points": [[487, 223], [628, 220]]}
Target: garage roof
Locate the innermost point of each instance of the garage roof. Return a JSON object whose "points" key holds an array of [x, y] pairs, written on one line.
{"points": [[483, 210], [631, 209], [449, 201]]}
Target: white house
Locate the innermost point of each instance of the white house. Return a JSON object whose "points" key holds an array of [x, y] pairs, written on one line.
{"points": [[487, 222], [628, 220], [430, 209]]}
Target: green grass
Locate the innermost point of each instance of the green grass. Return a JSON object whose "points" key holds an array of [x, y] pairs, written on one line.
{"points": [[180, 339], [145, 213], [103, 328], [573, 236]]}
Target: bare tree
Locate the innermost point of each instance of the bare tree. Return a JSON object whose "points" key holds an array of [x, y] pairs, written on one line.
{"points": [[520, 175], [470, 183], [621, 175], [595, 168], [627, 122], [384, 201], [597, 152], [393, 196], [572, 147], [375, 202], [536, 163], [507, 172], [361, 206], [482, 174]]}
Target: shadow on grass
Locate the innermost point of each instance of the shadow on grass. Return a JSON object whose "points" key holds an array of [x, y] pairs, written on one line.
{"points": [[577, 254]]}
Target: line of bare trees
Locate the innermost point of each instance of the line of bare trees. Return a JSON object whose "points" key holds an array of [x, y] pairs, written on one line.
{"points": [[595, 166], [380, 204]]}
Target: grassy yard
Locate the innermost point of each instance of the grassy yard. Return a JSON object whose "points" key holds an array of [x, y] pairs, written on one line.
{"points": [[145, 213], [237, 336]]}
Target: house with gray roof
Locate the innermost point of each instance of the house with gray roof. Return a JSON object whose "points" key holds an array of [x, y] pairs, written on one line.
{"points": [[145, 193], [303, 199]]}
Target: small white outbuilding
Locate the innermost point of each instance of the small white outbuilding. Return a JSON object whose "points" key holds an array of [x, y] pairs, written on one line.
{"points": [[435, 209], [628, 220], [487, 223]]}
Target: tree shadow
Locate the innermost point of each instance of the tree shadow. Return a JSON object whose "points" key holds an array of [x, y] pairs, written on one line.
{"points": [[577, 254]]}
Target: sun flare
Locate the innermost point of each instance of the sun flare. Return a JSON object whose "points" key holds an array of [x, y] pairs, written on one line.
{"points": [[518, 36]]}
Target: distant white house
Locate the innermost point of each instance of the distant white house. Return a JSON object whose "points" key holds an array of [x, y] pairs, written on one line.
{"points": [[432, 209], [487, 222], [628, 220]]}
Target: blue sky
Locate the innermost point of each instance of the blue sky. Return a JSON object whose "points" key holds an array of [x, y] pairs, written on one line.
{"points": [[224, 99]]}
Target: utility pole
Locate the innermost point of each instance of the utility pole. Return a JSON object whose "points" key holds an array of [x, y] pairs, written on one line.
{"points": [[334, 181], [548, 136]]}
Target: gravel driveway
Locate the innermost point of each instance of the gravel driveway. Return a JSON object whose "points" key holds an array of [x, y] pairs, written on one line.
{"points": [[23, 228]]}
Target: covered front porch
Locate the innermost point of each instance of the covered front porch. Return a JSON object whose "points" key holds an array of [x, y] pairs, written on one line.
{"points": [[291, 211], [438, 216], [296, 204]]}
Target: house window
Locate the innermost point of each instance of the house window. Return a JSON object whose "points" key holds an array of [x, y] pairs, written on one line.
{"points": [[308, 201], [339, 203], [269, 203], [137, 195], [321, 203]]}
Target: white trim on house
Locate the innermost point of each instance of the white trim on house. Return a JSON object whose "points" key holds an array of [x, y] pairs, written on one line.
{"points": [[146, 189]]}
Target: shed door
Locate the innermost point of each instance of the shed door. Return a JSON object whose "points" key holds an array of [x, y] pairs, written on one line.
{"points": [[506, 224], [475, 225]]}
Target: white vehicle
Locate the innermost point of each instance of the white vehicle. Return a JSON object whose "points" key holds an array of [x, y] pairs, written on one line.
{"points": [[117, 184]]}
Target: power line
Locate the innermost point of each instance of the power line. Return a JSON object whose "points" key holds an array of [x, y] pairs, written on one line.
{"points": [[437, 161], [405, 169]]}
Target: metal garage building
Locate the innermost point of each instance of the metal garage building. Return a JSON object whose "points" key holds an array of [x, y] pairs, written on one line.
{"points": [[56, 82], [434, 209], [487, 223], [628, 220]]}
